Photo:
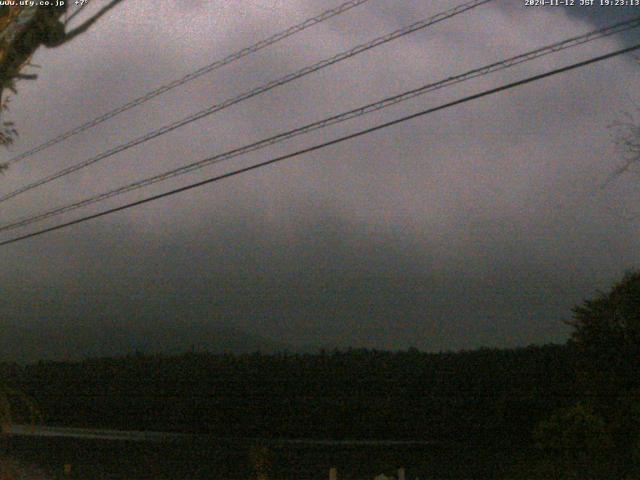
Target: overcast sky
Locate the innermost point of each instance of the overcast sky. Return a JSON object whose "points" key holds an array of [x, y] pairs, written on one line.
{"points": [[480, 225]]}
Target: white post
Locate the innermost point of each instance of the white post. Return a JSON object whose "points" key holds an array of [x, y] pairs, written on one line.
{"points": [[401, 475], [333, 474]]}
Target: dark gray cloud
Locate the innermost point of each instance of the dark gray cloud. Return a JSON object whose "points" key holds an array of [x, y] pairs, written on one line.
{"points": [[602, 16], [480, 225]]}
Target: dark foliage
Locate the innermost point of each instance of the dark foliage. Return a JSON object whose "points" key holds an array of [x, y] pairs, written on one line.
{"points": [[466, 396], [607, 341]]}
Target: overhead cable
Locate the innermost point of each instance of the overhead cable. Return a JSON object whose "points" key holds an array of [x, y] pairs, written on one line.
{"points": [[191, 76], [327, 144], [366, 109], [249, 94]]}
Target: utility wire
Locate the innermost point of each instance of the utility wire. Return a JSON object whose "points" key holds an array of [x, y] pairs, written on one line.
{"points": [[191, 76], [251, 93], [327, 144], [372, 107]]}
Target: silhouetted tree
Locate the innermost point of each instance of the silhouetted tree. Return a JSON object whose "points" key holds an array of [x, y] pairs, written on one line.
{"points": [[42, 25], [626, 131], [607, 336], [575, 443]]}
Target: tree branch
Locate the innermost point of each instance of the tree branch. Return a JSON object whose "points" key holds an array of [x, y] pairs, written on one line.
{"points": [[87, 24]]}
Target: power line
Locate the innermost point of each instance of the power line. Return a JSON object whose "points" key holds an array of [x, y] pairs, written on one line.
{"points": [[327, 144], [191, 76], [372, 107], [251, 93]]}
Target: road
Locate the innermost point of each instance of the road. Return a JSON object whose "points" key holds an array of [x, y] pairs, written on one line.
{"points": [[138, 436]]}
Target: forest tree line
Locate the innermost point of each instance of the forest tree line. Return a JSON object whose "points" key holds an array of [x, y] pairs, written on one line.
{"points": [[332, 395], [575, 408]]}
